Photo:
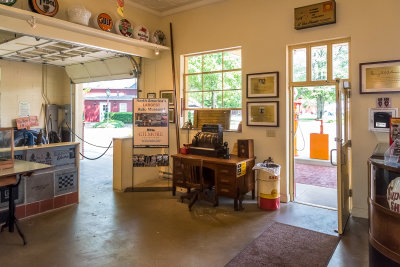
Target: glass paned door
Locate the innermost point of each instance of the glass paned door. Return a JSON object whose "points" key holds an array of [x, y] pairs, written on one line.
{"points": [[343, 153]]}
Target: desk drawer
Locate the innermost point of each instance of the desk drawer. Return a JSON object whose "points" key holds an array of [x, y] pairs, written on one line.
{"points": [[226, 173], [227, 190], [226, 180]]}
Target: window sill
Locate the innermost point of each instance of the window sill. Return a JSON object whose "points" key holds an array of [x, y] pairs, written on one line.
{"points": [[225, 131]]}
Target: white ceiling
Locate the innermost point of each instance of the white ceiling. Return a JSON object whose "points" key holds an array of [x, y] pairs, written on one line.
{"points": [[39, 50], [168, 7]]}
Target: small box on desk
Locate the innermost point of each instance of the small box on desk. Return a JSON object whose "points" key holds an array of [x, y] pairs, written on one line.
{"points": [[245, 148]]}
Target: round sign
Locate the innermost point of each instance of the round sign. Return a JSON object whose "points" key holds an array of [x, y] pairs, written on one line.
{"points": [[104, 22], [393, 195], [44, 7], [158, 37], [124, 27], [140, 32], [8, 2]]}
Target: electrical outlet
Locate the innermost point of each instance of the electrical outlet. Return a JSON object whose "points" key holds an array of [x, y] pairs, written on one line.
{"points": [[271, 133]]}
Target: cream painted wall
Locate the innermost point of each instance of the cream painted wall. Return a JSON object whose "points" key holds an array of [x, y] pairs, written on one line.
{"points": [[264, 29], [22, 82]]}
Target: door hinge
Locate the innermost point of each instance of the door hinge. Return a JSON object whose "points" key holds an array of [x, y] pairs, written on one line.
{"points": [[350, 192], [348, 94]]}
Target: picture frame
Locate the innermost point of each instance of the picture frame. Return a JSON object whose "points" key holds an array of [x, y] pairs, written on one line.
{"points": [[171, 115], [380, 77], [262, 85], [151, 95], [263, 113], [169, 94]]}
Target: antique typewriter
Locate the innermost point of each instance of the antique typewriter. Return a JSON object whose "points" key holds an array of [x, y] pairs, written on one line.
{"points": [[208, 142]]}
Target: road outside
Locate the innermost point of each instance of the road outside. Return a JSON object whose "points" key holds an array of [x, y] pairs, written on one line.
{"points": [[102, 137]]}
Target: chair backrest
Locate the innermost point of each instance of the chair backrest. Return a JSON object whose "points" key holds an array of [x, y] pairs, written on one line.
{"points": [[193, 172]]}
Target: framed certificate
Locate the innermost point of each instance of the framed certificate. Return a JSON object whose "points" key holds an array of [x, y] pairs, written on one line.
{"points": [[380, 77], [263, 113], [263, 85]]}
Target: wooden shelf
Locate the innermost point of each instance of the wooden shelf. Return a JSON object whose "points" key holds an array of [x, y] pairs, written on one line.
{"points": [[33, 24]]}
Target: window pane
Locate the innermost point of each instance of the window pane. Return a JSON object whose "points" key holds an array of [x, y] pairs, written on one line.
{"points": [[212, 81], [193, 64], [233, 99], [340, 61], [190, 116], [213, 99], [236, 118], [193, 83], [212, 62], [194, 100], [319, 66], [233, 60], [233, 80], [299, 65]]}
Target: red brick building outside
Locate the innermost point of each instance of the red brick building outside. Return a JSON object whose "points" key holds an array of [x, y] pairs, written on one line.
{"points": [[95, 103]]}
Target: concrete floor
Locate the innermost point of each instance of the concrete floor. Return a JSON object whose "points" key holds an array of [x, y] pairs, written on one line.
{"points": [[316, 195], [156, 229]]}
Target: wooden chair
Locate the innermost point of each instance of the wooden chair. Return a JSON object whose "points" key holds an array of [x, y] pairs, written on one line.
{"points": [[195, 182]]}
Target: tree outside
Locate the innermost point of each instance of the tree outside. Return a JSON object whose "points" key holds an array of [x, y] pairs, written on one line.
{"points": [[319, 96]]}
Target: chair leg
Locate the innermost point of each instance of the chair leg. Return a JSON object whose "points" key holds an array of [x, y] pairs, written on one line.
{"points": [[193, 200], [20, 232]]}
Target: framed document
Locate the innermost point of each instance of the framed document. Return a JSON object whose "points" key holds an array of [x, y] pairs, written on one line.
{"points": [[168, 94], [262, 85], [380, 77], [263, 113], [171, 115]]}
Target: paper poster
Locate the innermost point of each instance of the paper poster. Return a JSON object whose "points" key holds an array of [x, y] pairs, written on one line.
{"points": [[24, 109], [150, 122]]}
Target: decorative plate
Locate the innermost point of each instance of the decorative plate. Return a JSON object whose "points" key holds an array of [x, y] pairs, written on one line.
{"points": [[104, 22], [393, 195], [124, 27], [142, 33], [158, 37], [47, 7], [8, 2]]}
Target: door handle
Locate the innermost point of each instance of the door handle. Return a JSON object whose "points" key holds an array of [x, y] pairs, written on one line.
{"points": [[330, 156]]}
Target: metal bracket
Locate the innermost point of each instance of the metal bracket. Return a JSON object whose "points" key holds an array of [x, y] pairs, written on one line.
{"points": [[32, 22]]}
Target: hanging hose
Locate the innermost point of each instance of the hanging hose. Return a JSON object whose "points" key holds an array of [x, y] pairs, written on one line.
{"points": [[302, 136], [107, 148], [98, 156], [69, 128]]}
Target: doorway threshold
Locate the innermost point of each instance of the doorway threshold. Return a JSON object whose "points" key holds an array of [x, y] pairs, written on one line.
{"points": [[315, 205]]}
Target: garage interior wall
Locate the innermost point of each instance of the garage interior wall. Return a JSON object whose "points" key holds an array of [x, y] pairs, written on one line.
{"points": [[22, 82], [264, 29]]}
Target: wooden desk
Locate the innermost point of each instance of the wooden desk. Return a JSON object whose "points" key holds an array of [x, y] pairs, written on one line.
{"points": [[11, 177], [227, 183]]}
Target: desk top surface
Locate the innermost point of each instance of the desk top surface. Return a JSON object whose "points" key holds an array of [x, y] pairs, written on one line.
{"points": [[233, 160], [22, 166]]}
